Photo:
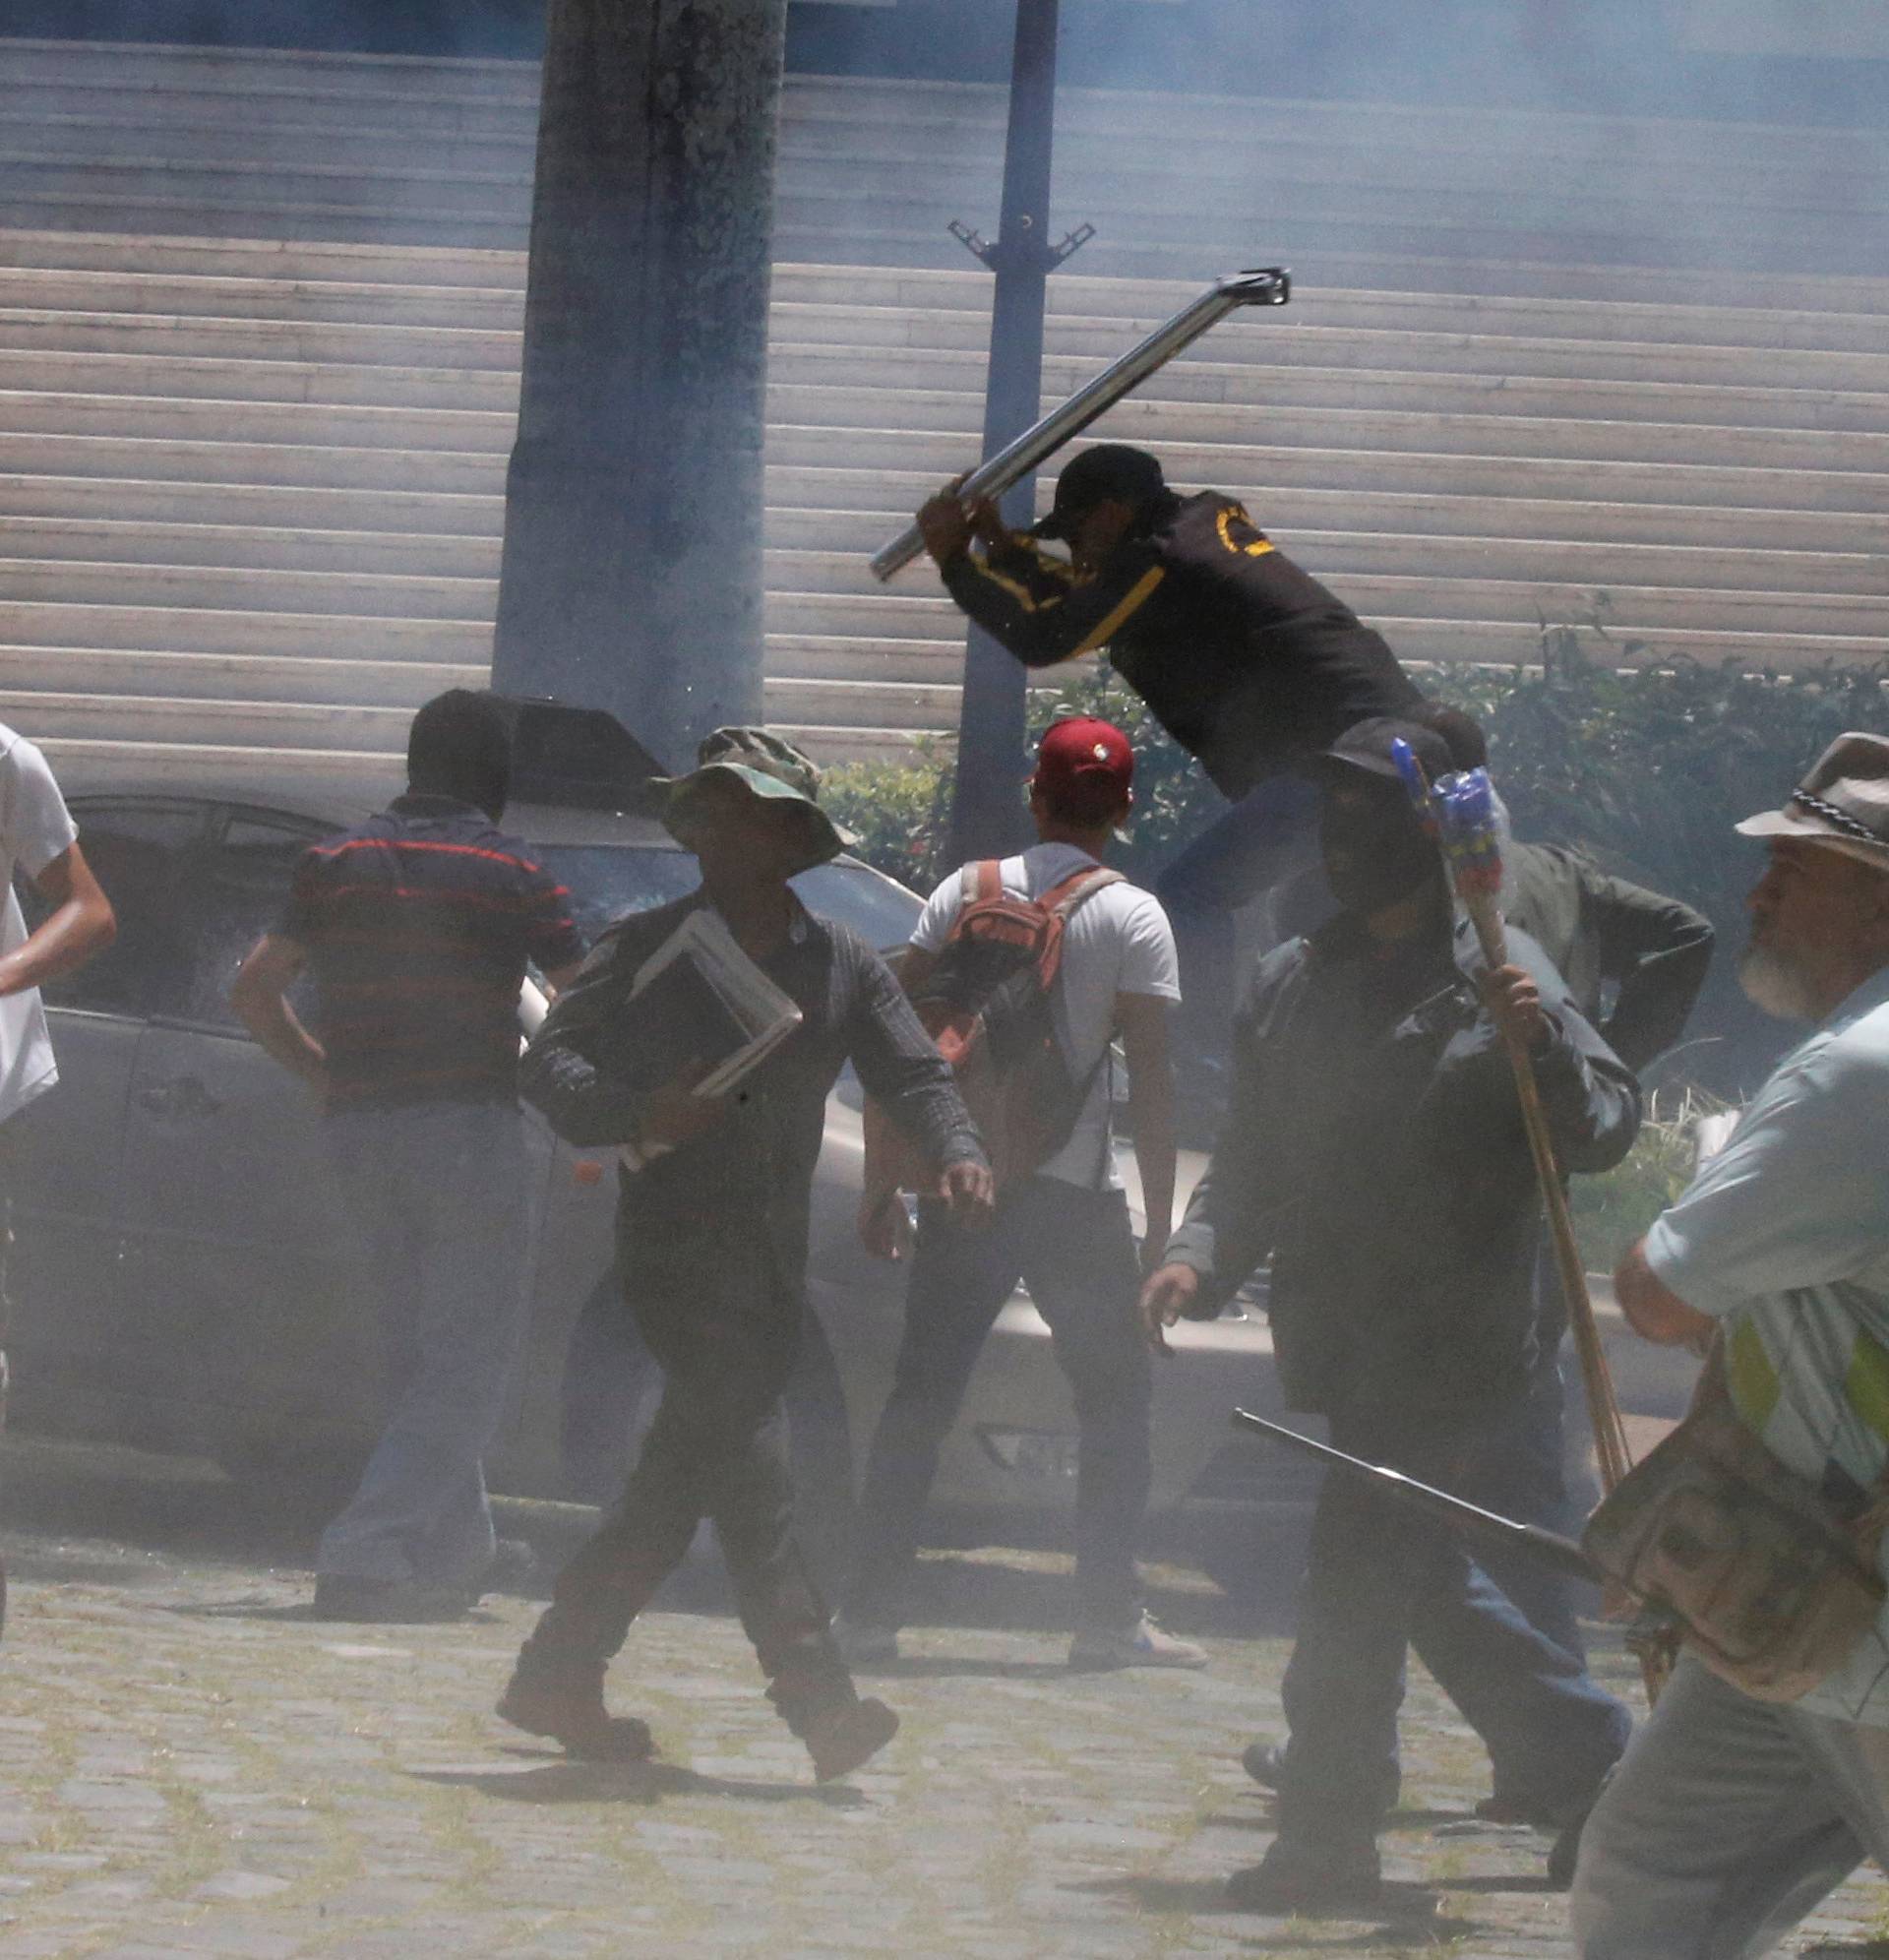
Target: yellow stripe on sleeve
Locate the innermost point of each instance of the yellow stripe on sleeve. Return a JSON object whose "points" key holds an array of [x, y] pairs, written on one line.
{"points": [[1131, 604]]}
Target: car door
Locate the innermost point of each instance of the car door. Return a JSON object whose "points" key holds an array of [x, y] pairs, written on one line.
{"points": [[250, 1301], [71, 1367]]}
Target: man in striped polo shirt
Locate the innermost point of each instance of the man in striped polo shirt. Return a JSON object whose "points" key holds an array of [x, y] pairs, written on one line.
{"points": [[418, 927], [1730, 1817]]}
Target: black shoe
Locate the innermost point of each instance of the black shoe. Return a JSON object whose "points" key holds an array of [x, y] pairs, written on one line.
{"points": [[569, 1707], [513, 1569], [385, 1602], [1295, 1879], [842, 1737], [1265, 1763]]}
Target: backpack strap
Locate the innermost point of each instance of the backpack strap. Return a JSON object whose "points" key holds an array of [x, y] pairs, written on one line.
{"points": [[1064, 899], [979, 881]]}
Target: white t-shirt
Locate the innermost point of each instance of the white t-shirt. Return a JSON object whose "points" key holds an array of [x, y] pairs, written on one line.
{"points": [[1117, 942], [35, 827]]}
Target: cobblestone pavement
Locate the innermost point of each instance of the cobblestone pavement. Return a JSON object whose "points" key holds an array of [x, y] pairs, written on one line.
{"points": [[191, 1766]]}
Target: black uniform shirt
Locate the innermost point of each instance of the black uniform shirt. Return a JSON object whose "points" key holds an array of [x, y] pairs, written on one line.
{"points": [[1249, 662]]}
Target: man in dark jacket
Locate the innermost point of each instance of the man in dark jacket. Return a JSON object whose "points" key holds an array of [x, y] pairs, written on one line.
{"points": [[1375, 1150], [1246, 660], [1633, 961], [712, 1229]]}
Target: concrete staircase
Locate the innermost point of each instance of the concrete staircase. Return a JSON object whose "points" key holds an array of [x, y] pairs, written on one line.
{"points": [[256, 397]]}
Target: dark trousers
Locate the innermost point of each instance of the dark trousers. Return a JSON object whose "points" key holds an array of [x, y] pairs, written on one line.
{"points": [[1268, 836], [1075, 1251], [1519, 1467], [718, 1449], [1381, 1579]]}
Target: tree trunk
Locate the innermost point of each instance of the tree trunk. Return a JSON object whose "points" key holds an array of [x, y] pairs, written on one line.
{"points": [[632, 569]]}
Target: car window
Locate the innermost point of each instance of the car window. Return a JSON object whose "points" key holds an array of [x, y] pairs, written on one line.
{"points": [[137, 851], [608, 881], [880, 911], [235, 897]]}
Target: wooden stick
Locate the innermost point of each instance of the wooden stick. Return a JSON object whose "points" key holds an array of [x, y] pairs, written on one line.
{"points": [[1602, 1405]]}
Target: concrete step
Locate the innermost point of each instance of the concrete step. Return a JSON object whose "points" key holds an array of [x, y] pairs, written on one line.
{"points": [[832, 422], [280, 341], [192, 587], [1604, 422], [382, 729], [377, 513], [278, 262], [253, 547], [300, 465], [1392, 289], [842, 384], [922, 611], [1333, 465], [115, 626], [222, 723], [170, 418], [198, 767], [832, 561], [152, 66], [882, 347], [309, 384], [332, 302], [1303, 336], [102, 671], [796, 517]]}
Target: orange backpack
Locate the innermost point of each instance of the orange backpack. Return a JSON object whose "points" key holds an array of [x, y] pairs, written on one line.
{"points": [[987, 1003]]}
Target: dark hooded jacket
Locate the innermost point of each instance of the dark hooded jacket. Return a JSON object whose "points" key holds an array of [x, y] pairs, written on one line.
{"points": [[1374, 1149]]}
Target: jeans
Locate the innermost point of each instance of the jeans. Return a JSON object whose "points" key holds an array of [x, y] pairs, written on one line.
{"points": [[1075, 1251], [718, 1449], [1519, 1467], [1259, 841], [1725, 1825], [439, 1192], [1382, 1578]]}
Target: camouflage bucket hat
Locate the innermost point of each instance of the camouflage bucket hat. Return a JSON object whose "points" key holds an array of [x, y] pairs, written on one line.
{"points": [[765, 767]]}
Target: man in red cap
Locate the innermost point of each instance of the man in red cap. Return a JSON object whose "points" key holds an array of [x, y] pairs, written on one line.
{"points": [[1061, 1225]]}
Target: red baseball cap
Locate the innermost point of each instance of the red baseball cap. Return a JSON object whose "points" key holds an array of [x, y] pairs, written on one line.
{"points": [[1084, 762]]}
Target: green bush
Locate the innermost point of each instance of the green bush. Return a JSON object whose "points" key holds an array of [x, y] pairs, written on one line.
{"points": [[1646, 768]]}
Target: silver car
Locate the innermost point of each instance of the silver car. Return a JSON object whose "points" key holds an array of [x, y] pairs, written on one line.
{"points": [[185, 1281]]}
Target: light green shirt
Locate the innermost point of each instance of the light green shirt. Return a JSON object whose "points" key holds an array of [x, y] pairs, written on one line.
{"points": [[1784, 1237]]}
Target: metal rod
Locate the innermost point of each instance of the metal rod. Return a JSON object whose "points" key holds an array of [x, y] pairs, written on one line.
{"points": [[1471, 1520], [1266, 286]]}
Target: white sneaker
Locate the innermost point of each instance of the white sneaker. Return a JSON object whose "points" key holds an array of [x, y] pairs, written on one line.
{"points": [[864, 1646], [1141, 1644]]}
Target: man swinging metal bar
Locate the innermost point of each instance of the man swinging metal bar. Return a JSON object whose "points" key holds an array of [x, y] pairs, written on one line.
{"points": [[1249, 662]]}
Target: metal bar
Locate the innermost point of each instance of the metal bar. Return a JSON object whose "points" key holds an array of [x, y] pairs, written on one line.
{"points": [[1471, 1520], [1267, 286]]}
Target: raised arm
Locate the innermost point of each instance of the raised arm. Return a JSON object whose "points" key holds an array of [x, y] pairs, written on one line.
{"points": [[1030, 602], [1656, 951]]}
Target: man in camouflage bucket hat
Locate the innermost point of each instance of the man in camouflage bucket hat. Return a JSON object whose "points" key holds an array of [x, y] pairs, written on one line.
{"points": [[752, 762], [713, 1227]]}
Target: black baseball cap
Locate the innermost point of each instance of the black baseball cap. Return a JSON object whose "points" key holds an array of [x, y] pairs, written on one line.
{"points": [[1111, 472], [1366, 746]]}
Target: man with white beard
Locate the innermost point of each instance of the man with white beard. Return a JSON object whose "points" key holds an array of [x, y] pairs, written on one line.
{"points": [[1730, 1816]]}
